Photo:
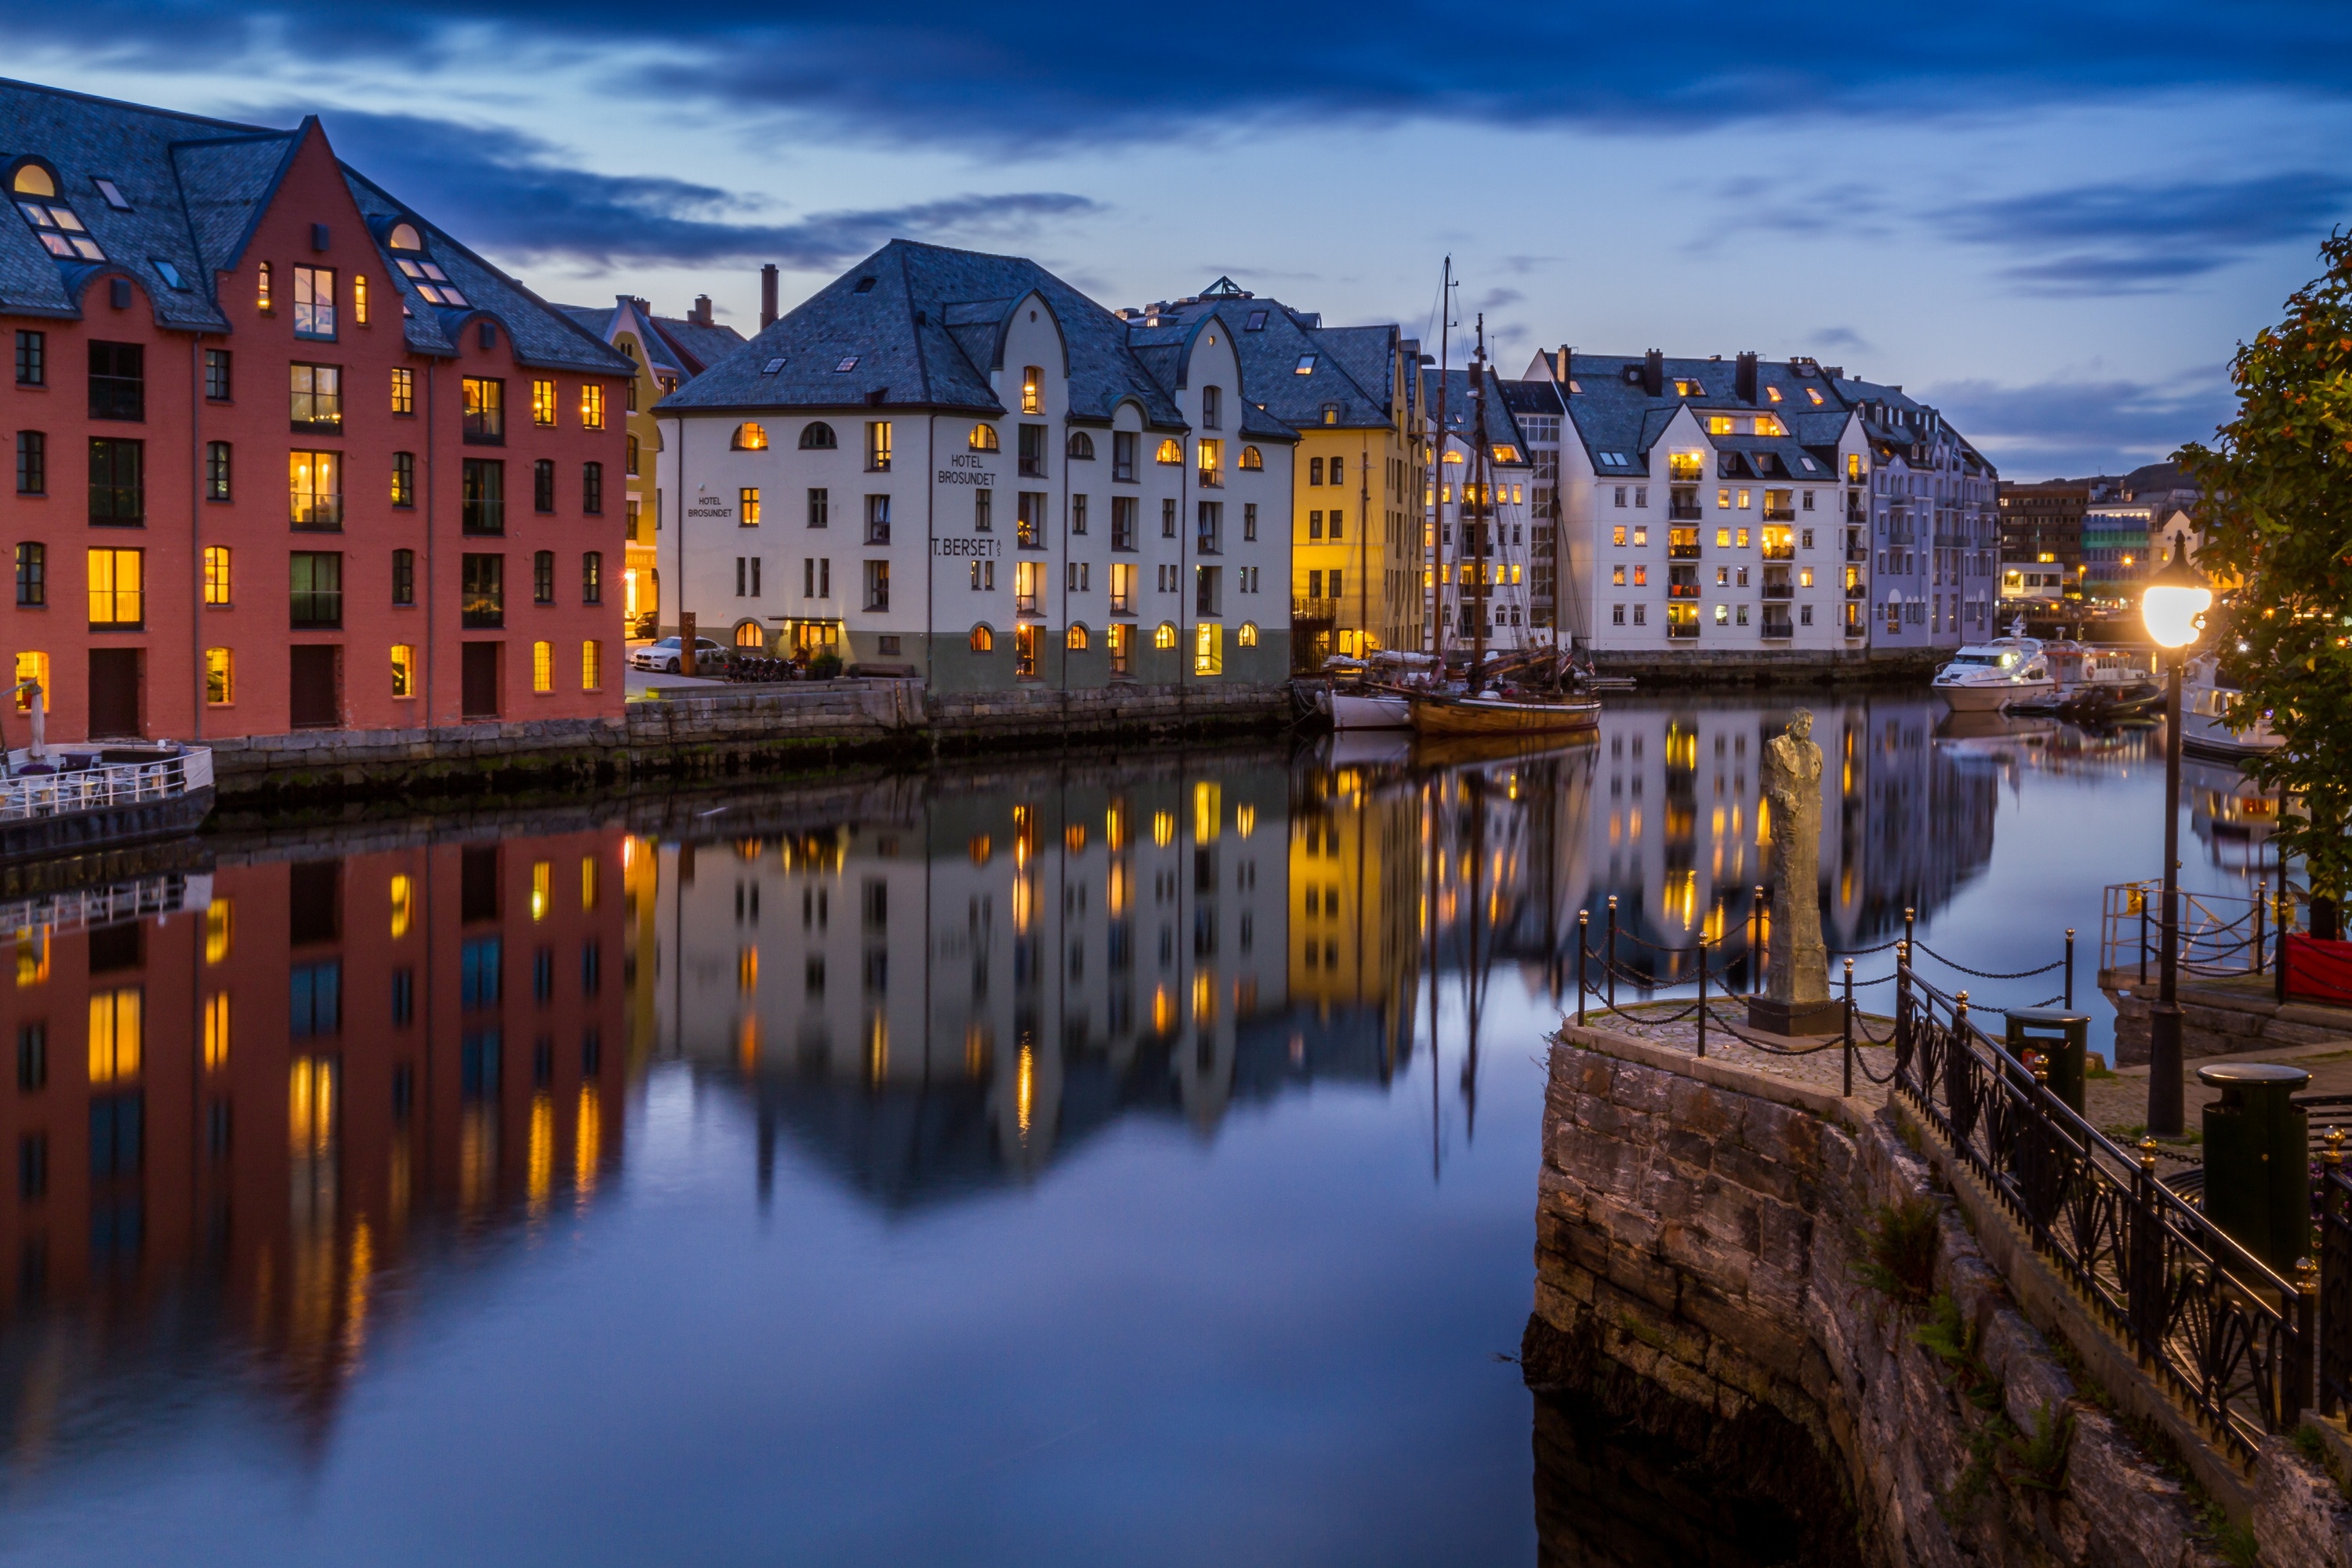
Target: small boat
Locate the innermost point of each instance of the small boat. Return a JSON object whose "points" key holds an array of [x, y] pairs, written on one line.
{"points": [[1366, 707], [1988, 677], [2205, 729], [2096, 702], [65, 800], [1491, 714]]}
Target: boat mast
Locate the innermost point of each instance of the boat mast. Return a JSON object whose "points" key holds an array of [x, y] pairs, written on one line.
{"points": [[1477, 517], [1437, 477]]}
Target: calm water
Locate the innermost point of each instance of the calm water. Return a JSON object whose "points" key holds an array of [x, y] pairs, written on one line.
{"points": [[1036, 1164]]}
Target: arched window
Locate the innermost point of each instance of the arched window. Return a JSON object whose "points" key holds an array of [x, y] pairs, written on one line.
{"points": [[1078, 637], [1247, 636], [984, 638], [1172, 450], [54, 223], [404, 236], [983, 439], [1082, 445], [1165, 636], [1252, 457], [750, 437], [1033, 388], [816, 436], [748, 634], [32, 180]]}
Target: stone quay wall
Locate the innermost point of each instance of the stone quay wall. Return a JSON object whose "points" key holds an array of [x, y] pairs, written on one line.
{"points": [[1700, 1230], [2218, 1018], [1771, 667], [690, 733]]}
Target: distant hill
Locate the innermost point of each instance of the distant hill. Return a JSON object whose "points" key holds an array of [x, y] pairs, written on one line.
{"points": [[2149, 479]]}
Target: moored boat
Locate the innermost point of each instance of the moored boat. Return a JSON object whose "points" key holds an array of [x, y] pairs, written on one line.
{"points": [[73, 798], [1989, 676], [1434, 715], [2205, 727], [1368, 707]]}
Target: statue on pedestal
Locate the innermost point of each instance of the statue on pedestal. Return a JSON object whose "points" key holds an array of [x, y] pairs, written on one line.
{"points": [[1796, 999]]}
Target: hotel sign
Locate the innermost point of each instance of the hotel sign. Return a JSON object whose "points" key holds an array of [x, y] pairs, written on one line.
{"points": [[966, 468]]}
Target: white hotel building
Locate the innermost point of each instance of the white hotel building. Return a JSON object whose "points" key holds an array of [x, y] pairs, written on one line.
{"points": [[955, 466]]}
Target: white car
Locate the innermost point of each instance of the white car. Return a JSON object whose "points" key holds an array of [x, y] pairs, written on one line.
{"points": [[663, 656]]}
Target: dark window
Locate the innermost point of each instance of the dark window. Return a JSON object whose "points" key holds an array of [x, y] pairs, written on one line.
{"points": [[591, 971], [486, 410], [32, 359], [318, 586], [404, 576], [404, 478], [1122, 454], [112, 948], [32, 463], [117, 481], [542, 975], [315, 999], [482, 582], [478, 1064], [404, 1012], [482, 972], [542, 577], [543, 485], [591, 577], [118, 381], [216, 374], [820, 505], [116, 1146], [482, 497], [315, 396], [216, 470], [32, 573], [32, 1056], [32, 1165], [314, 901], [1033, 450], [591, 489], [478, 884]]}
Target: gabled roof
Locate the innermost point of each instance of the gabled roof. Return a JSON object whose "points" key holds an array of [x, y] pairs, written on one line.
{"points": [[195, 189], [917, 326], [679, 344], [1501, 428], [1349, 368]]}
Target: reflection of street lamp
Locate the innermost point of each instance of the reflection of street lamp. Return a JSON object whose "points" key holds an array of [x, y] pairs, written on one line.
{"points": [[2172, 605]]}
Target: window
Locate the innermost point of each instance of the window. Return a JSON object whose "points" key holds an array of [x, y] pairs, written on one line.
{"points": [[878, 516], [265, 291], [359, 297], [543, 485], [983, 510], [482, 495], [629, 456], [542, 667], [1122, 454], [592, 406], [1076, 641], [877, 446], [1306, 366], [118, 381], [1164, 636], [482, 602], [317, 397], [118, 600], [1249, 522], [216, 580], [1208, 648], [115, 1035], [1167, 518], [315, 489], [485, 403], [1122, 522], [542, 577], [1033, 451], [592, 678], [591, 577], [591, 489], [1078, 514], [314, 302], [403, 670], [1024, 651], [819, 507], [1029, 520], [404, 577], [982, 439], [118, 484], [747, 502], [32, 463], [543, 405], [1247, 637], [32, 576], [877, 584], [816, 436], [317, 584], [984, 638], [1171, 451], [33, 668], [1081, 446], [748, 437], [32, 356], [216, 458], [61, 233], [220, 678]]}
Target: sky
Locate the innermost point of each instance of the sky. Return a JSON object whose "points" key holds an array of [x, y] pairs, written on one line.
{"points": [[2055, 221]]}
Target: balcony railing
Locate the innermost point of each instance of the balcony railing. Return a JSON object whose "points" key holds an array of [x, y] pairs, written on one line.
{"points": [[1780, 513], [108, 785], [1688, 629], [1779, 551], [1779, 631], [1208, 543], [1682, 551], [1681, 590], [1780, 590], [1122, 604], [1212, 479], [1684, 512], [1032, 468], [1305, 609], [320, 514], [877, 533], [1858, 553], [1024, 603], [1857, 590]]}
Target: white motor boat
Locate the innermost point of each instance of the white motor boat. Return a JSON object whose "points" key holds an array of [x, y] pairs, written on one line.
{"points": [[1984, 677], [1366, 708], [2205, 729]]}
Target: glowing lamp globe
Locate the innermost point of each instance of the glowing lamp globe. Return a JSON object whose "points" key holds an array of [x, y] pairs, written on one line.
{"points": [[2173, 601]]}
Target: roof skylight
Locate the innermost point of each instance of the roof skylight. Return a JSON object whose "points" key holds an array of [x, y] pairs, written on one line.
{"points": [[772, 366], [1305, 364], [845, 366], [113, 195], [169, 273], [1256, 322], [431, 282]]}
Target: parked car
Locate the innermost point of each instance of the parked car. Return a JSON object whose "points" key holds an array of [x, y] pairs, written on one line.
{"points": [[663, 656], [645, 625]]}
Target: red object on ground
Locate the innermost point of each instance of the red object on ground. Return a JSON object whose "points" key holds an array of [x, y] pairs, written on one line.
{"points": [[2318, 970]]}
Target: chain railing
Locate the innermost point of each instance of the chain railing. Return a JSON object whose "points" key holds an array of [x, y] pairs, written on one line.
{"points": [[2220, 934], [2233, 1339], [2334, 1206]]}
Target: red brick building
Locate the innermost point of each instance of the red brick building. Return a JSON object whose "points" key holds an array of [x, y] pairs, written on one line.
{"points": [[287, 455]]}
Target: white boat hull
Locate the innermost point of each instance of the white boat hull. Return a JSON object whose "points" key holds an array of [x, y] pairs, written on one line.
{"points": [[1370, 711], [1989, 696]]}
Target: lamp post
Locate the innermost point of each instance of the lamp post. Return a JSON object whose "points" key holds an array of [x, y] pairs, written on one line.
{"points": [[2172, 605]]}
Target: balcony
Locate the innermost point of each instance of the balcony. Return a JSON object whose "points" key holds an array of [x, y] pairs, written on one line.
{"points": [[1684, 512], [1212, 479], [1032, 468], [318, 513], [1779, 631], [1858, 555], [1857, 590], [1779, 551], [1025, 605], [1208, 543], [1780, 513], [877, 533], [1305, 609], [1778, 591], [1681, 590], [1122, 604], [1685, 629], [1682, 551]]}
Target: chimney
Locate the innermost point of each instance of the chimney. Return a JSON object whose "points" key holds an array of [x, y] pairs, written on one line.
{"points": [[1743, 378], [1653, 373], [700, 314], [1560, 374], [767, 296]]}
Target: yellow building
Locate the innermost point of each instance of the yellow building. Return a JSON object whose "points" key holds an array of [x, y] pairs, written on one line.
{"points": [[1353, 395], [1355, 889], [669, 351]]}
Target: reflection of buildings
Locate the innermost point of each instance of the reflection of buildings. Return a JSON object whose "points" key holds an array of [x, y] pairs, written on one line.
{"points": [[253, 1104], [2231, 816]]}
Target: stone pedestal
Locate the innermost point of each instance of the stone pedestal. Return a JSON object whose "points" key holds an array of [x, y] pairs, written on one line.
{"points": [[1782, 1017]]}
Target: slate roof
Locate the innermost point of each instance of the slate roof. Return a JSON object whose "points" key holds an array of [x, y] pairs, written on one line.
{"points": [[195, 188], [1501, 428], [677, 344], [1350, 366], [917, 326]]}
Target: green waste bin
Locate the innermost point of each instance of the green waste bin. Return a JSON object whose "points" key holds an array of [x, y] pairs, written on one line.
{"points": [[2258, 1161], [2057, 1036]]}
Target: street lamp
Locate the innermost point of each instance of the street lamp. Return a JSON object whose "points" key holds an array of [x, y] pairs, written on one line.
{"points": [[2172, 605]]}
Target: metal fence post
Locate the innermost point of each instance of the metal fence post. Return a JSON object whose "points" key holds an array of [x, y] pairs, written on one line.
{"points": [[2304, 1360], [1755, 940], [2257, 945], [1702, 1000], [2143, 936], [2142, 1290], [1849, 1027], [1909, 914], [1608, 958], [2070, 969], [1583, 944], [1902, 1010]]}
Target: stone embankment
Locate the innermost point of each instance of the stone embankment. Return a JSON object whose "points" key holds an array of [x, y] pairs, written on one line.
{"points": [[2220, 1017], [1684, 667], [1836, 1322], [705, 732]]}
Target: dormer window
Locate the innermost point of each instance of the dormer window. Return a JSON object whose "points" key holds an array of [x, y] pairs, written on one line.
{"points": [[404, 236], [1306, 366], [426, 277], [54, 223], [1689, 389], [112, 193]]}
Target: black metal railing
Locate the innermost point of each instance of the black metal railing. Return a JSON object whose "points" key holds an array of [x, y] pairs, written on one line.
{"points": [[2334, 1209]]}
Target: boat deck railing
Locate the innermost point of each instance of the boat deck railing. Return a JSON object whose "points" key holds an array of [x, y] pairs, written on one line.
{"points": [[87, 908], [85, 781]]}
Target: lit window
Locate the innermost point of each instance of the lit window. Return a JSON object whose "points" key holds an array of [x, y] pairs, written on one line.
{"points": [[1165, 637], [216, 575], [984, 639], [220, 688], [1814, 393], [1306, 366], [404, 904], [32, 667], [1252, 457], [403, 391], [314, 302], [592, 672], [430, 281], [117, 589], [264, 288], [1076, 639], [982, 439], [543, 403], [404, 236], [542, 667], [216, 1031], [1246, 637], [60, 231], [359, 297], [219, 923], [1773, 393], [403, 670], [592, 406], [1032, 382], [1171, 451], [750, 437], [748, 504], [115, 1032]]}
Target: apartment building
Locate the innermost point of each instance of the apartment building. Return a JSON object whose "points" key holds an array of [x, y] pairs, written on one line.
{"points": [[288, 455], [1478, 515], [955, 466]]}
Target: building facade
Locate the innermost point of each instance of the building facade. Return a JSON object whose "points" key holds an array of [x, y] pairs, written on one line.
{"points": [[2042, 536], [1478, 516], [287, 455], [954, 466]]}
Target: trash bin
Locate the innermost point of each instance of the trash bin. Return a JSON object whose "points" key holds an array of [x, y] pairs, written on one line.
{"points": [[2058, 1036], [2258, 1161]]}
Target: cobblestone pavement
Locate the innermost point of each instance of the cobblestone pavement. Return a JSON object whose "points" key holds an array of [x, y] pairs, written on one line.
{"points": [[1820, 1069]]}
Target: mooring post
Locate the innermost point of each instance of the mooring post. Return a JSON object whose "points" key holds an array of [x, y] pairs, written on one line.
{"points": [[1848, 1028], [1702, 1001], [1583, 944], [2070, 969], [1608, 958]]}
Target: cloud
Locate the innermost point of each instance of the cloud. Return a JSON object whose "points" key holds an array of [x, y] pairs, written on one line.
{"points": [[2083, 426], [509, 194], [1834, 339], [2121, 237], [922, 71]]}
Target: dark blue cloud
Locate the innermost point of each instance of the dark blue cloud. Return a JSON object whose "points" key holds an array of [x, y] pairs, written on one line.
{"points": [[2069, 427], [2136, 239], [510, 194], [926, 71]]}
